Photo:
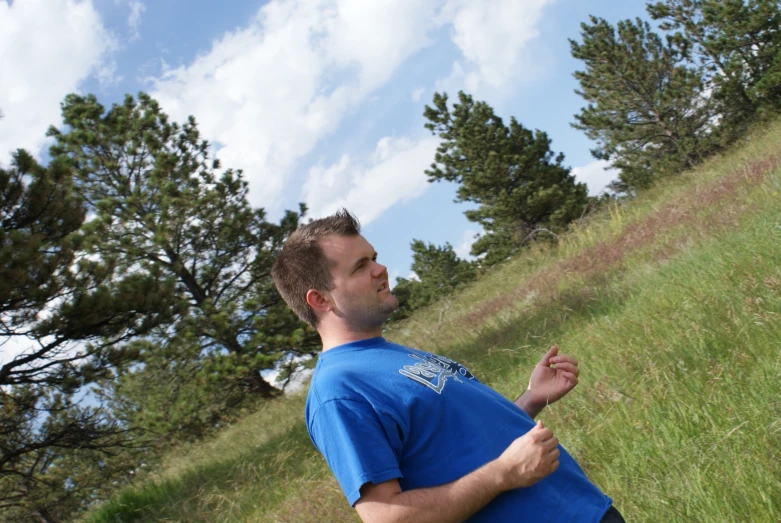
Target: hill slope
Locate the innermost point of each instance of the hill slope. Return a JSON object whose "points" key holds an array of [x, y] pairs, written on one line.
{"points": [[672, 304]]}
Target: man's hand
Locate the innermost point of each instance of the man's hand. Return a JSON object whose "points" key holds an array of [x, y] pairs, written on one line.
{"points": [[529, 458], [526, 461], [553, 377]]}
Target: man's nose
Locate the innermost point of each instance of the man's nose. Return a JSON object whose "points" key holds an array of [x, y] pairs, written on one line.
{"points": [[379, 270]]}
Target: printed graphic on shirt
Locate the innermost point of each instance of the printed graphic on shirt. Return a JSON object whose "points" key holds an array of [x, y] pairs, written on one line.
{"points": [[434, 371]]}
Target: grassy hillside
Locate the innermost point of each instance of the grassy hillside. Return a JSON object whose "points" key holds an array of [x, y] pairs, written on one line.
{"points": [[672, 304]]}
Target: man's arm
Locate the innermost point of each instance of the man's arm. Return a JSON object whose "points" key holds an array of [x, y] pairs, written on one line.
{"points": [[527, 460], [526, 403], [553, 377]]}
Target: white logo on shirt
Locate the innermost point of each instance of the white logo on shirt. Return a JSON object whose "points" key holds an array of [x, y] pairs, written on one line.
{"points": [[434, 371]]}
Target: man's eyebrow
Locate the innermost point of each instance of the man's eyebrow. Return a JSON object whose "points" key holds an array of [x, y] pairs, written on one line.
{"points": [[359, 262]]}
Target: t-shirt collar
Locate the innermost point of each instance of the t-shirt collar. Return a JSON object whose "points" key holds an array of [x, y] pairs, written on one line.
{"points": [[358, 345]]}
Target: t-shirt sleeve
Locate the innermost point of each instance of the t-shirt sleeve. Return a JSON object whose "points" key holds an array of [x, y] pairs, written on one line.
{"points": [[359, 444]]}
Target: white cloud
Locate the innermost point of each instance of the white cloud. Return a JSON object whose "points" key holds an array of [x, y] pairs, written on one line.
{"points": [[107, 74], [270, 91], [395, 174], [596, 175], [396, 274], [137, 9], [47, 49], [326, 184], [493, 37], [417, 94], [464, 247], [298, 378]]}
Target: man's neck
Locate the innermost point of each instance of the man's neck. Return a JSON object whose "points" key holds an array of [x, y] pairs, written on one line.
{"points": [[333, 336]]}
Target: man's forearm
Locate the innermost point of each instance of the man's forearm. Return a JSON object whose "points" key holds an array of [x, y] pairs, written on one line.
{"points": [[452, 502], [527, 406]]}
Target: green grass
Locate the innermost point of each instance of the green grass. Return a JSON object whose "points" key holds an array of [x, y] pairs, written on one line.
{"points": [[672, 304]]}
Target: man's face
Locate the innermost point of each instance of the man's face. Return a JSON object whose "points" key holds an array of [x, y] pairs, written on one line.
{"points": [[361, 294]]}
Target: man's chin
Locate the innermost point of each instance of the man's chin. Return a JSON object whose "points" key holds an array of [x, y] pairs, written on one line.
{"points": [[391, 305], [375, 315]]}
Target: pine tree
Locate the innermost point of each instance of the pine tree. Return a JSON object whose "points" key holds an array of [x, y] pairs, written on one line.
{"points": [[69, 324], [738, 44], [647, 110], [161, 207], [439, 272], [520, 185]]}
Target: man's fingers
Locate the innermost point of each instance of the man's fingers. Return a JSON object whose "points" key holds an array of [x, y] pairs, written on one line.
{"points": [[573, 380], [540, 432], [564, 358], [543, 435], [569, 368], [548, 355]]}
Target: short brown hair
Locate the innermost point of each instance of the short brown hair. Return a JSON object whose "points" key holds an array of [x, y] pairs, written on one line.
{"points": [[301, 264]]}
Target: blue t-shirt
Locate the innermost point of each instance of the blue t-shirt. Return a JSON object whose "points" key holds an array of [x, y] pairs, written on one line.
{"points": [[378, 411]]}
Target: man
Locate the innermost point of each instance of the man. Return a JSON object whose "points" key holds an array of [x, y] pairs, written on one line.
{"points": [[412, 436]]}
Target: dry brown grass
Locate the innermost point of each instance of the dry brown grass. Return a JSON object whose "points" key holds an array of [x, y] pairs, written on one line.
{"points": [[697, 212]]}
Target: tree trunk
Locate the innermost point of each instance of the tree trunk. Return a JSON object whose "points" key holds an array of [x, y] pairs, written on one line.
{"points": [[44, 516], [259, 386]]}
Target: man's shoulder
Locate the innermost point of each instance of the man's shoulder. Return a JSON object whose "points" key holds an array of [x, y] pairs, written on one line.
{"points": [[356, 377], [334, 381]]}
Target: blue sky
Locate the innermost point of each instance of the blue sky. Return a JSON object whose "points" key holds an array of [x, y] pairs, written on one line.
{"points": [[318, 101]]}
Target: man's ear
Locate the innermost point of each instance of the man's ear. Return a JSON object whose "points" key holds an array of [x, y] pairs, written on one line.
{"points": [[318, 301]]}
